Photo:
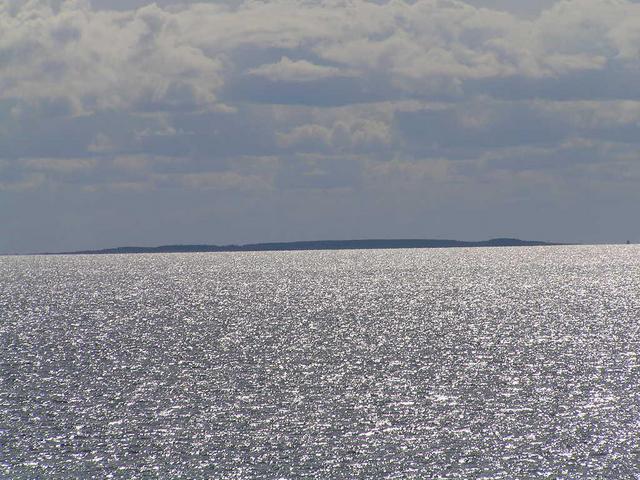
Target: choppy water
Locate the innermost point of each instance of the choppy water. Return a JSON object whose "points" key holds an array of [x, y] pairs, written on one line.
{"points": [[461, 363]]}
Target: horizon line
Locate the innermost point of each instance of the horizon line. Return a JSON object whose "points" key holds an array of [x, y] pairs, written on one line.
{"points": [[300, 245]]}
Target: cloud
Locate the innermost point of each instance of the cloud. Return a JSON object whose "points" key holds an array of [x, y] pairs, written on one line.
{"points": [[214, 181], [242, 106], [296, 71], [25, 183], [102, 60], [155, 58], [58, 165], [344, 133], [319, 172]]}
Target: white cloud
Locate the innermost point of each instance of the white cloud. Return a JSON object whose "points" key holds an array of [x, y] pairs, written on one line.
{"points": [[180, 57], [296, 71], [213, 181], [347, 132], [103, 60]]}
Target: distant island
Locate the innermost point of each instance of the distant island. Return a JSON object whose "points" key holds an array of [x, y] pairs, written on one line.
{"points": [[317, 245]]}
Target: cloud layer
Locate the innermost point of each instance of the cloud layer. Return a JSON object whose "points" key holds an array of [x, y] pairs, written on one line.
{"points": [[322, 118]]}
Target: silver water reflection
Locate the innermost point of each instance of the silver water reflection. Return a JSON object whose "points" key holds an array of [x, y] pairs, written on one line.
{"points": [[494, 363]]}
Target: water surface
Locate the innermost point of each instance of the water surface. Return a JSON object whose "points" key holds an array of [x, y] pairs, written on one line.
{"points": [[454, 363]]}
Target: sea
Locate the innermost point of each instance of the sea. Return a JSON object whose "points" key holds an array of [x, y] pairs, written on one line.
{"points": [[492, 363]]}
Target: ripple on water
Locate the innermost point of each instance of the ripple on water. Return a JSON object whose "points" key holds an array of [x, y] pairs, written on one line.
{"points": [[454, 363]]}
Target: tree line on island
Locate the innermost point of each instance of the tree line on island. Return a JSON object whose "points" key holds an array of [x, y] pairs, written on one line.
{"points": [[322, 245]]}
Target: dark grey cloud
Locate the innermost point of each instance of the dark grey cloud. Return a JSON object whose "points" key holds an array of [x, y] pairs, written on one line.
{"points": [[319, 173], [615, 82], [482, 125]]}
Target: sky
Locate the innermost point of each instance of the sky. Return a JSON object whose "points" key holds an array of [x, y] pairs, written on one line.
{"points": [[129, 123]]}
